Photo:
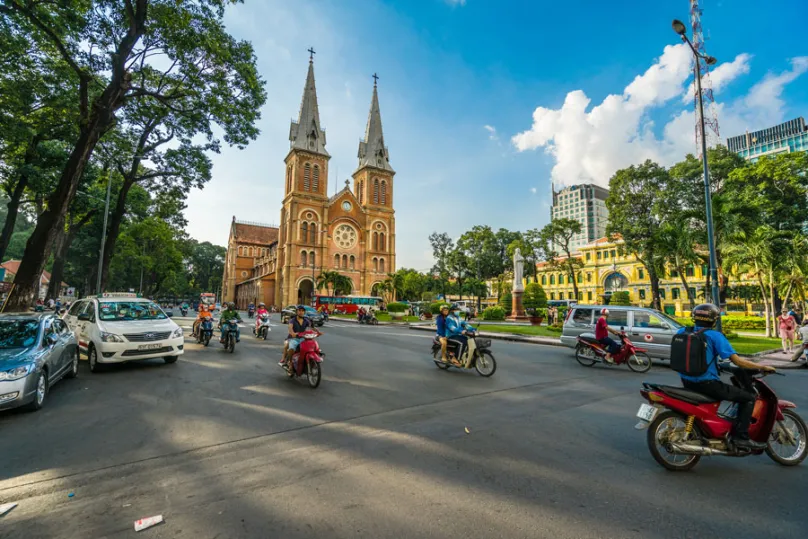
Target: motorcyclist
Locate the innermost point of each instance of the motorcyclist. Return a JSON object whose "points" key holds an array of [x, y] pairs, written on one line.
{"points": [[602, 331], [230, 313], [709, 383], [443, 333], [201, 314], [297, 325], [361, 314], [458, 330], [262, 309], [250, 309]]}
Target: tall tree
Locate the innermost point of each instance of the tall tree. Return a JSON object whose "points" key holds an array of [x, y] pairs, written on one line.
{"points": [[442, 247], [114, 58], [556, 238]]}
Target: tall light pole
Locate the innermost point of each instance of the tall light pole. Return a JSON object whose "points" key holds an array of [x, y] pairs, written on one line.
{"points": [[103, 238], [679, 28]]}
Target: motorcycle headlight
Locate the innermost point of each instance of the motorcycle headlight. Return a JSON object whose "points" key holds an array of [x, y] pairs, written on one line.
{"points": [[111, 337], [177, 333], [17, 372]]}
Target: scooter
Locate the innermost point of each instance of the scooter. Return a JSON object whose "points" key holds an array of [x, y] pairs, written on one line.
{"points": [[307, 360], [589, 351], [482, 359], [369, 319], [263, 327], [230, 336], [250, 312], [184, 311], [684, 425], [204, 331]]}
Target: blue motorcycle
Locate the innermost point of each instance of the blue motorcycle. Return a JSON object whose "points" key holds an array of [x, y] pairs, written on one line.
{"points": [[205, 331]]}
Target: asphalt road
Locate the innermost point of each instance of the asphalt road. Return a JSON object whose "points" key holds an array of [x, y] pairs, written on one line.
{"points": [[225, 446]]}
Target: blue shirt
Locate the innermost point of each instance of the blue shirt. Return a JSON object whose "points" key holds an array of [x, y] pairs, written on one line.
{"points": [[718, 347], [440, 322], [455, 326]]}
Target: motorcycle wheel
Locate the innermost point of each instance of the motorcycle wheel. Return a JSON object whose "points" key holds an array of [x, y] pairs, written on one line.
{"points": [[585, 355], [264, 333], [207, 339], [438, 362], [639, 362], [314, 373], [375, 322], [796, 426], [665, 425], [485, 364], [231, 343]]}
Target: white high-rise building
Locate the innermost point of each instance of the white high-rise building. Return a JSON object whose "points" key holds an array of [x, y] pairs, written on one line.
{"points": [[585, 203]]}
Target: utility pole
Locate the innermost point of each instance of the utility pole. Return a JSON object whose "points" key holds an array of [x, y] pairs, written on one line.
{"points": [[103, 237]]}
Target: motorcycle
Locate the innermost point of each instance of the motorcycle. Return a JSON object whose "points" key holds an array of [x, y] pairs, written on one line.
{"points": [[184, 311], [230, 337], [684, 425], [307, 360], [482, 359], [250, 312], [369, 319], [204, 331], [263, 328], [589, 351]]}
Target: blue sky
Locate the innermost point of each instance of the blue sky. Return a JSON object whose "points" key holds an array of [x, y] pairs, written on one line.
{"points": [[484, 101]]}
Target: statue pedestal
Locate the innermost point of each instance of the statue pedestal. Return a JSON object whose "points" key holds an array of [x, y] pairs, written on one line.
{"points": [[518, 311]]}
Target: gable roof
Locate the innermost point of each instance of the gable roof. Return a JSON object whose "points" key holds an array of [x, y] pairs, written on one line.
{"points": [[254, 232], [13, 266]]}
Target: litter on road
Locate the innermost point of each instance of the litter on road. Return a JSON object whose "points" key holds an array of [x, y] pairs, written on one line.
{"points": [[71, 494], [6, 507], [468, 431], [144, 523]]}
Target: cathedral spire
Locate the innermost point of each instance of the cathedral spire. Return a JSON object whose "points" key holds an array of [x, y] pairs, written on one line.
{"points": [[306, 134], [372, 151]]}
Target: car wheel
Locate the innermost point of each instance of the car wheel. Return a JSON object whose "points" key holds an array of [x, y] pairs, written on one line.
{"points": [[41, 392], [170, 359], [74, 365], [92, 359]]}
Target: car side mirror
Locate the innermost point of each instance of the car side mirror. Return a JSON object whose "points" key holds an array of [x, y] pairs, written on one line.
{"points": [[52, 339], [84, 317]]}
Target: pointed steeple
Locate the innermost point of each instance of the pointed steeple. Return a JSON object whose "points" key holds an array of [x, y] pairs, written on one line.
{"points": [[372, 151], [306, 134]]}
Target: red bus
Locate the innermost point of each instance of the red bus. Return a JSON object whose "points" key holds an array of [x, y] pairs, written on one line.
{"points": [[347, 304]]}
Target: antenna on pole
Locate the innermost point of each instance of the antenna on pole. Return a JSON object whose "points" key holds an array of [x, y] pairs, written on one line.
{"points": [[710, 115]]}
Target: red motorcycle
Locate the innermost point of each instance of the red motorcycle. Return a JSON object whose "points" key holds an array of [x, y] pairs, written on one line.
{"points": [[684, 425], [308, 359], [589, 351]]}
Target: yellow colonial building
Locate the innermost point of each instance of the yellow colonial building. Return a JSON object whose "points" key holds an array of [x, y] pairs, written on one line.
{"points": [[605, 271]]}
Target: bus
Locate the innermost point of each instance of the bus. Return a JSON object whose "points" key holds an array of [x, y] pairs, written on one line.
{"points": [[208, 298], [347, 304]]}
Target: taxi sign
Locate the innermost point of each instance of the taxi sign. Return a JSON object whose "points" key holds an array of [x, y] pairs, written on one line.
{"points": [[118, 295]]}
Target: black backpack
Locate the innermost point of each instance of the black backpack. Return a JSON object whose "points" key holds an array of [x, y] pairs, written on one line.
{"points": [[689, 352]]}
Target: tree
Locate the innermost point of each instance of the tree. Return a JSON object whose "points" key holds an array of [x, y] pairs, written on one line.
{"points": [[635, 204], [113, 50], [394, 284], [555, 239], [442, 246], [677, 243], [458, 267], [534, 299]]}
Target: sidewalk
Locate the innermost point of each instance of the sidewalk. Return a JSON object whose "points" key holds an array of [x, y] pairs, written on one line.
{"points": [[778, 360]]}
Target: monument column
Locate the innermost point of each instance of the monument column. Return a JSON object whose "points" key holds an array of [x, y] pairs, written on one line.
{"points": [[518, 310]]}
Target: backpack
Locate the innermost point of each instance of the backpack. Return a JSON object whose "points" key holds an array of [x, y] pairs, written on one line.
{"points": [[689, 352]]}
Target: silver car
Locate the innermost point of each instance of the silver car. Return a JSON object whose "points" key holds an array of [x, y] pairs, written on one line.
{"points": [[645, 327], [36, 351]]}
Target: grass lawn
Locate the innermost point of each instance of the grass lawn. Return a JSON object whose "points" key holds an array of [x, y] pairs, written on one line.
{"points": [[382, 317], [533, 331], [752, 345]]}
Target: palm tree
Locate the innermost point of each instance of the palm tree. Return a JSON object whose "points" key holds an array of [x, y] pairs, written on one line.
{"points": [[326, 280], [342, 285], [394, 284], [677, 240]]}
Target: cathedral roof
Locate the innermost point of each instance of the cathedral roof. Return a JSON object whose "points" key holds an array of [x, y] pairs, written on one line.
{"points": [[254, 232], [305, 133], [372, 151]]}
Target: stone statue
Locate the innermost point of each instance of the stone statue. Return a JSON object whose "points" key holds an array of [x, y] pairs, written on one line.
{"points": [[518, 264]]}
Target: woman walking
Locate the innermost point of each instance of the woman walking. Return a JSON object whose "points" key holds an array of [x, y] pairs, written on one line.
{"points": [[788, 326]]}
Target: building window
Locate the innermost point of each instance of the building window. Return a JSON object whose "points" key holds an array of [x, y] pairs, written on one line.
{"points": [[552, 279], [692, 292], [580, 277], [288, 179], [384, 192], [382, 243], [589, 277], [662, 293], [307, 177], [376, 264], [675, 293], [642, 293], [561, 279], [543, 279], [561, 295], [304, 232], [344, 261], [614, 254], [588, 257], [589, 296], [336, 261], [641, 273], [381, 265], [313, 234], [362, 191], [552, 295], [303, 259], [376, 191], [674, 273], [599, 255], [315, 184], [704, 269], [312, 260], [689, 271], [605, 254], [375, 241], [352, 262]]}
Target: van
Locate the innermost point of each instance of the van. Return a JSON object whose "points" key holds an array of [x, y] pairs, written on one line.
{"points": [[646, 328]]}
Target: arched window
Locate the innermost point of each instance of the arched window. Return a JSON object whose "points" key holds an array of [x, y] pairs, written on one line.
{"points": [[361, 191], [382, 244], [303, 258], [240, 250], [552, 279], [375, 264], [313, 234], [543, 279], [288, 179], [307, 177], [352, 261], [304, 232], [381, 265], [336, 261], [375, 241], [312, 260], [384, 192], [376, 191], [344, 261], [315, 184]]}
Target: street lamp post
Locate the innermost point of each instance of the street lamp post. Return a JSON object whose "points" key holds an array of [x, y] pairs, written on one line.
{"points": [[103, 238], [679, 28]]}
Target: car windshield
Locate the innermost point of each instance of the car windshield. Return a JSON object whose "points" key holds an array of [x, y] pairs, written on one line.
{"points": [[674, 324], [18, 333], [119, 311]]}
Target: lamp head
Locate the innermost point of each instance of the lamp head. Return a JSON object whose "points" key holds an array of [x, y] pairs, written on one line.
{"points": [[710, 60], [679, 27]]}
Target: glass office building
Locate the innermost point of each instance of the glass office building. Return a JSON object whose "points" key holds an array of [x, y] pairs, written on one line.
{"points": [[790, 136], [586, 204]]}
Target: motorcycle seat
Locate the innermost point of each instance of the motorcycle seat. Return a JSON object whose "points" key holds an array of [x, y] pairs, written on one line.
{"points": [[687, 395], [590, 340]]}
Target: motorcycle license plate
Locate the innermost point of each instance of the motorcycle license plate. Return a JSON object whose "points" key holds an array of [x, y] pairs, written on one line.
{"points": [[647, 412]]}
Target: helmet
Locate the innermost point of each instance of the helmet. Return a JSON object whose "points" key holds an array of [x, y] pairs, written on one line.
{"points": [[454, 307], [604, 311], [444, 306], [301, 307], [705, 315], [262, 304], [231, 305]]}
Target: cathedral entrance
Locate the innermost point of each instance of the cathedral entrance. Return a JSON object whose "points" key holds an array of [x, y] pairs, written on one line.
{"points": [[305, 291]]}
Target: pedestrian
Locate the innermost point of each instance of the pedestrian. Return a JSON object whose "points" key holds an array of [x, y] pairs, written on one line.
{"points": [[804, 338], [787, 327], [51, 304]]}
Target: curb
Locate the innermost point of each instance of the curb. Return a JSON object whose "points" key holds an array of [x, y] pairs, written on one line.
{"points": [[545, 341]]}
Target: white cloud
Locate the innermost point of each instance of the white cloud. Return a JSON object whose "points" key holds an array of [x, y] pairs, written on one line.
{"points": [[456, 2], [590, 144], [492, 132], [723, 75], [534, 190]]}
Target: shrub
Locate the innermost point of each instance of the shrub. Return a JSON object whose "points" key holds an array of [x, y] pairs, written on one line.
{"points": [[494, 313], [620, 298], [397, 307], [732, 322], [562, 314], [506, 302], [730, 334], [534, 300], [556, 328]]}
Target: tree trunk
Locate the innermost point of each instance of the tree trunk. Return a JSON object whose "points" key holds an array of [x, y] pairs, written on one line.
{"points": [[654, 278], [114, 228], [16, 195], [63, 244], [765, 300], [775, 327], [691, 298]]}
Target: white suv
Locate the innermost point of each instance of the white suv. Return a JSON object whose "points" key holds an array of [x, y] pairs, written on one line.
{"points": [[114, 328]]}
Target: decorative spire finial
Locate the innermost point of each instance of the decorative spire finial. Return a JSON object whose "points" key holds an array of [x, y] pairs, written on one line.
{"points": [[312, 52], [375, 79]]}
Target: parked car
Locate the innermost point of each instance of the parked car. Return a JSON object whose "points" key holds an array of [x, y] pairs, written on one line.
{"points": [[290, 312], [36, 351], [114, 328], [647, 328]]}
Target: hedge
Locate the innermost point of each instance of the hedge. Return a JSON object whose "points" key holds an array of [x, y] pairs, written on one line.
{"points": [[620, 298], [733, 322], [397, 307], [494, 313], [506, 302]]}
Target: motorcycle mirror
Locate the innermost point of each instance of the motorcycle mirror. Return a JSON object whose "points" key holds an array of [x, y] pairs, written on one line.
{"points": [[622, 328]]}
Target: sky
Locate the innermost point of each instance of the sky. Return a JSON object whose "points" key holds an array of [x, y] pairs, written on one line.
{"points": [[486, 102]]}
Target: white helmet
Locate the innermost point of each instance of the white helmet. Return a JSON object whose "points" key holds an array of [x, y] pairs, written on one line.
{"points": [[604, 311]]}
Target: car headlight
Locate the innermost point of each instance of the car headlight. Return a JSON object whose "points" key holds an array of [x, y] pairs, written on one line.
{"points": [[111, 337], [177, 333], [17, 372]]}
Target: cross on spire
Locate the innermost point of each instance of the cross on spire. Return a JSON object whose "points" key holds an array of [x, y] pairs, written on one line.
{"points": [[311, 52], [375, 79]]}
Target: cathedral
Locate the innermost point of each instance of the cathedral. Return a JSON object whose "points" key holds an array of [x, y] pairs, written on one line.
{"points": [[351, 232]]}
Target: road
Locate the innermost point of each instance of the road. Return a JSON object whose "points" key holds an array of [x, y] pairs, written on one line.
{"points": [[225, 446]]}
